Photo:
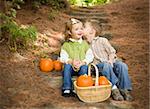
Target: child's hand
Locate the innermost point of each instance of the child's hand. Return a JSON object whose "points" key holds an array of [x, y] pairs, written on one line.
{"points": [[111, 63], [112, 58], [82, 63], [76, 64]]}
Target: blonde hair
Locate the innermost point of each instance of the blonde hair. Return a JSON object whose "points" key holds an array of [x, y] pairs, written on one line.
{"points": [[68, 27], [95, 24]]}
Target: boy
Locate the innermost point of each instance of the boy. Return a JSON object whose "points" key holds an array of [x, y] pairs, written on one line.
{"points": [[106, 59]]}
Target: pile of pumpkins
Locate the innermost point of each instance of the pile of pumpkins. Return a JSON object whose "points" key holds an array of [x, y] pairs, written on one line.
{"points": [[86, 81], [47, 65]]}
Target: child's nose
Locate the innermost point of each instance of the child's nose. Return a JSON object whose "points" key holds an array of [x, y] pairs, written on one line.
{"points": [[81, 31]]}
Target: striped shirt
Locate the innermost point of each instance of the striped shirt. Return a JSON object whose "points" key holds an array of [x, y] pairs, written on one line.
{"points": [[102, 50]]}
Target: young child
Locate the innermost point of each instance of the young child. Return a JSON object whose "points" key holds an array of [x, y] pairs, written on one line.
{"points": [[106, 59], [75, 54]]}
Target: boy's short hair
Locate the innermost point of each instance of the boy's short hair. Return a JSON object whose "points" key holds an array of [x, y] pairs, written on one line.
{"points": [[95, 24]]}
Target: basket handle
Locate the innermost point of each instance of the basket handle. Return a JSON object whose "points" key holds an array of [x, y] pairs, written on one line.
{"points": [[97, 74]]}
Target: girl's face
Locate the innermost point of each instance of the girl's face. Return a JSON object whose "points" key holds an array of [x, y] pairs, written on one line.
{"points": [[77, 31], [89, 32]]}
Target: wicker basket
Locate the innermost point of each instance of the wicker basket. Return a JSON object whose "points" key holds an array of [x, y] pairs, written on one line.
{"points": [[95, 93]]}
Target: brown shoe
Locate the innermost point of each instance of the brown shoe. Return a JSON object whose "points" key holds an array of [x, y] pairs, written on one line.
{"points": [[126, 94], [116, 95]]}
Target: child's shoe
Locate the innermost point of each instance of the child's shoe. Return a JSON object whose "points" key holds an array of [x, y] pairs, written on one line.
{"points": [[116, 95], [66, 93], [126, 94]]}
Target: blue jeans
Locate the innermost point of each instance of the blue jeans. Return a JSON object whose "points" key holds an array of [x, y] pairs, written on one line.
{"points": [[117, 75], [68, 72]]}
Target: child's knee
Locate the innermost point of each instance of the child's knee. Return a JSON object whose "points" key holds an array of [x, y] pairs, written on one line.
{"points": [[107, 66], [84, 69]]}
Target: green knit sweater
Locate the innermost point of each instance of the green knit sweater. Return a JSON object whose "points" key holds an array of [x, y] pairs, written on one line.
{"points": [[76, 50]]}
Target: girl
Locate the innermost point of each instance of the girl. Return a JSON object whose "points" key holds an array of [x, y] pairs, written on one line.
{"points": [[106, 59], [75, 54]]}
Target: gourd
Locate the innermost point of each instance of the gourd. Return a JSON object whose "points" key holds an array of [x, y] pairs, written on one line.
{"points": [[85, 81], [46, 65], [57, 65], [103, 80]]}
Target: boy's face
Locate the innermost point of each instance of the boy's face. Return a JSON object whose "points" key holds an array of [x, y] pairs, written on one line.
{"points": [[89, 32], [77, 31]]}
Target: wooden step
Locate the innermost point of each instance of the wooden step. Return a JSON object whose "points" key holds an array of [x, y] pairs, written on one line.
{"points": [[101, 20], [87, 9], [99, 14]]}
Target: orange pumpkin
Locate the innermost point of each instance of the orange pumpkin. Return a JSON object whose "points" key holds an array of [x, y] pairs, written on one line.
{"points": [[46, 65], [85, 81], [103, 80], [57, 65]]}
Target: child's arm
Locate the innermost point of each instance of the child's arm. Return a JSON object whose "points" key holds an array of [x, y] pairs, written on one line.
{"points": [[112, 59], [110, 50], [108, 46], [88, 57], [64, 57]]}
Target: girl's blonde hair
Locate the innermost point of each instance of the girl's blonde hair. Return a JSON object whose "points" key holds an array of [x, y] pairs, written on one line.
{"points": [[95, 24], [68, 27]]}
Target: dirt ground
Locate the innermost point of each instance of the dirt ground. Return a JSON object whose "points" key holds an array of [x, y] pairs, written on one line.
{"points": [[22, 88]]}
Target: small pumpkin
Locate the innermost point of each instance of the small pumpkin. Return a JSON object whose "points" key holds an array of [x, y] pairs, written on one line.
{"points": [[57, 65], [103, 80], [85, 81], [46, 65]]}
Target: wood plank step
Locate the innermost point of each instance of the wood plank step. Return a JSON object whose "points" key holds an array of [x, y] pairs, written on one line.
{"points": [[87, 9], [100, 14], [101, 20]]}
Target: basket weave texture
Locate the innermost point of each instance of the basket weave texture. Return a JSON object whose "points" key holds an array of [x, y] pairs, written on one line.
{"points": [[93, 94]]}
